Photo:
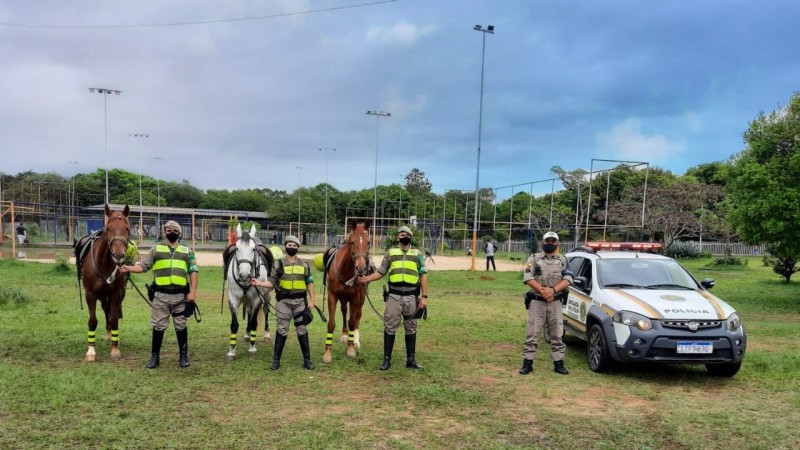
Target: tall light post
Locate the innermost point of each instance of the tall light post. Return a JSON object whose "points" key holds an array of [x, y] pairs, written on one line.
{"points": [[158, 201], [141, 215], [299, 168], [105, 93], [327, 152], [70, 227], [378, 115], [490, 30]]}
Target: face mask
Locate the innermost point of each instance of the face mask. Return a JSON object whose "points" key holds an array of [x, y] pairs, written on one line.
{"points": [[549, 248], [291, 251], [405, 240], [172, 237]]}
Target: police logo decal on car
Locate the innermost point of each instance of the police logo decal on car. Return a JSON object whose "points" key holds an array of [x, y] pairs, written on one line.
{"points": [[673, 298]]}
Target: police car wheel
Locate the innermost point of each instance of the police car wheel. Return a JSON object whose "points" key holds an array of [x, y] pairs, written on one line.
{"points": [[723, 370], [597, 350]]}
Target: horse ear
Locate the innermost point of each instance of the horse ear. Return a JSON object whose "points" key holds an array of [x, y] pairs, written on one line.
{"points": [[238, 230], [367, 224], [108, 211], [253, 230], [351, 223], [126, 211]]}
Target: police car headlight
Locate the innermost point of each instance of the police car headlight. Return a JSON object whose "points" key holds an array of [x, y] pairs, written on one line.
{"points": [[632, 319], [733, 323]]}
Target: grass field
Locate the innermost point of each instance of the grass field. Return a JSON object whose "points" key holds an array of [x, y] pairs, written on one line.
{"points": [[469, 394]]}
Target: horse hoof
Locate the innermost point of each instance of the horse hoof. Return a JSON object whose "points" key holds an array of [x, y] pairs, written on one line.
{"points": [[252, 353], [343, 339], [351, 353], [267, 337], [90, 358], [116, 356], [326, 359], [230, 358]]}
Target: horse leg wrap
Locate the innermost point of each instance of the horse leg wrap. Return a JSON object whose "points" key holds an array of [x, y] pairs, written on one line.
{"points": [[90, 337], [306, 349], [252, 337], [183, 347], [232, 341], [115, 336], [411, 347], [328, 339], [350, 337]]}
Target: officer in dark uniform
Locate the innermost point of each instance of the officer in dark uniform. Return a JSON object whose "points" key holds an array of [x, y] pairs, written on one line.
{"points": [[549, 278], [175, 283], [408, 295]]}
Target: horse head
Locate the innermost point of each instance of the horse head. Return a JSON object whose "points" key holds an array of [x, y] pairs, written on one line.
{"points": [[117, 233], [245, 258], [358, 244]]}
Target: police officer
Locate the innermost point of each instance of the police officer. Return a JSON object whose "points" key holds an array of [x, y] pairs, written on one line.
{"points": [[549, 278], [295, 295], [408, 295], [175, 281]]}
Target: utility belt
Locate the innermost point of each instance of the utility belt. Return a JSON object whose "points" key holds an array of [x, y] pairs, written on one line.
{"points": [[170, 289], [531, 296], [287, 296], [402, 291]]}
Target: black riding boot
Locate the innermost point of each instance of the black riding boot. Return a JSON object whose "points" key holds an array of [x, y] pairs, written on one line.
{"points": [[527, 367], [280, 341], [558, 367], [411, 347], [155, 349], [303, 338], [183, 347], [388, 345]]}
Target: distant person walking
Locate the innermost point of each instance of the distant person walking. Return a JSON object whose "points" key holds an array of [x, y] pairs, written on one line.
{"points": [[429, 256], [21, 233], [490, 249]]}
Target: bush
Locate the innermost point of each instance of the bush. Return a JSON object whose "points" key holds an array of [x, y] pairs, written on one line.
{"points": [[683, 250], [62, 263], [728, 260], [13, 296]]}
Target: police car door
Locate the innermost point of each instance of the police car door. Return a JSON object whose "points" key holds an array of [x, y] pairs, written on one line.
{"points": [[579, 299]]}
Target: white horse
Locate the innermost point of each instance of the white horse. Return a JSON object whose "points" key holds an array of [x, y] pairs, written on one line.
{"points": [[247, 262]]}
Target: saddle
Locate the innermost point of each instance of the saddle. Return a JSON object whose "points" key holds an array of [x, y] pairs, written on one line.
{"points": [[82, 247]]}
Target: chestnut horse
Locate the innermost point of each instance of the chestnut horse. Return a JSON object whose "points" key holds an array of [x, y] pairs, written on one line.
{"points": [[99, 270], [350, 260]]}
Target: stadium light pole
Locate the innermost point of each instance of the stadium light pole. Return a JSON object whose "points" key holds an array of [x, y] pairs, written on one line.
{"points": [[299, 169], [141, 215], [378, 115], [488, 30], [158, 197], [72, 205], [327, 152], [105, 93]]}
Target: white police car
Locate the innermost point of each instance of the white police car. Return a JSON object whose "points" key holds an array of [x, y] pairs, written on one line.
{"points": [[634, 306]]}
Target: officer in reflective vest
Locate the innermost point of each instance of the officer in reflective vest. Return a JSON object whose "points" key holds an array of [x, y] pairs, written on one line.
{"points": [[549, 278], [175, 280], [295, 295], [408, 295]]}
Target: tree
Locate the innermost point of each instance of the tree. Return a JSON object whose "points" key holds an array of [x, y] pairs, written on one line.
{"points": [[763, 195], [417, 183]]}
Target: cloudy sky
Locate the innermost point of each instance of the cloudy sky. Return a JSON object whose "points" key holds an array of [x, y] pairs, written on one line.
{"points": [[238, 94]]}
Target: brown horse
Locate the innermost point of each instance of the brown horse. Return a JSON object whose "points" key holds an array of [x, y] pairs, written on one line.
{"points": [[350, 260], [98, 267]]}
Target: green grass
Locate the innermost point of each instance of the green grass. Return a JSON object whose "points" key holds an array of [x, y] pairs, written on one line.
{"points": [[468, 396]]}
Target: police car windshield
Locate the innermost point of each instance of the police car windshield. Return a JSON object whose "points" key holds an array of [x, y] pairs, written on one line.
{"points": [[635, 273]]}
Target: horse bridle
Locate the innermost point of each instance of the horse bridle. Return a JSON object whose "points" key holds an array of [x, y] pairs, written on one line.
{"points": [[111, 278], [254, 273]]}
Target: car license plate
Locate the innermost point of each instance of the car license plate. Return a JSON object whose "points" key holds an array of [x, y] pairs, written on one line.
{"points": [[695, 347]]}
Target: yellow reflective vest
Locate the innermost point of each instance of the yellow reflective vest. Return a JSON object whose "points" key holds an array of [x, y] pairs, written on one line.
{"points": [[171, 268], [403, 267], [293, 281]]}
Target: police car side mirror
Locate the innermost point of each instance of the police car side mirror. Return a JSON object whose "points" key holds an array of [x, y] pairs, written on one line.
{"points": [[707, 283], [582, 283]]}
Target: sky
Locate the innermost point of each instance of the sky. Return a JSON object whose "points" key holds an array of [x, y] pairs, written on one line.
{"points": [[244, 94]]}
